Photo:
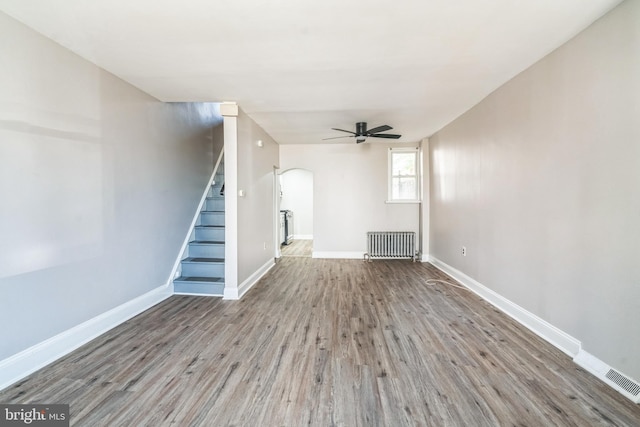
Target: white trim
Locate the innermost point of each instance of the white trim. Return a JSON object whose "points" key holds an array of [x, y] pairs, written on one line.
{"points": [[229, 108], [424, 208], [197, 294], [18, 366], [598, 368], [563, 341], [425, 258], [303, 236], [276, 212], [231, 293], [592, 364], [185, 243], [395, 202], [231, 205], [337, 255], [237, 293]]}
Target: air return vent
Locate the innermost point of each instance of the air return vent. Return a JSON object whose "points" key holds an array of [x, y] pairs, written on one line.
{"points": [[619, 382], [623, 382]]}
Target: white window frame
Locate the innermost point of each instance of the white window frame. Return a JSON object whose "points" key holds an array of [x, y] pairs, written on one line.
{"points": [[390, 176]]}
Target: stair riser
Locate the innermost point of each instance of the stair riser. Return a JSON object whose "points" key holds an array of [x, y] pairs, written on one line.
{"points": [[212, 218], [206, 251], [212, 235], [215, 205], [215, 190], [199, 288], [195, 269]]}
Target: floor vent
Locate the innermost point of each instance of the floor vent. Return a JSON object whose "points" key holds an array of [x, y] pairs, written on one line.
{"points": [[625, 383], [619, 382]]}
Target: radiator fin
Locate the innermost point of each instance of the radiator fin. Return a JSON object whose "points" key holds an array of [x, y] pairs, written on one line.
{"points": [[391, 244]]}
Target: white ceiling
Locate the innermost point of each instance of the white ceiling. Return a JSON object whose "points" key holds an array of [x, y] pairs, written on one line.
{"points": [[301, 67]]}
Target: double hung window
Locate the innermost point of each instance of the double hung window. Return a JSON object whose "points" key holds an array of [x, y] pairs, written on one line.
{"points": [[403, 175]]}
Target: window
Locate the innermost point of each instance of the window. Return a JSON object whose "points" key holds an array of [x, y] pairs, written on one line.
{"points": [[403, 175]]}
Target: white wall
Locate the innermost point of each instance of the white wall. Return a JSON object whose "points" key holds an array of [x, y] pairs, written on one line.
{"points": [[297, 196], [98, 185], [256, 209], [350, 190], [540, 182]]}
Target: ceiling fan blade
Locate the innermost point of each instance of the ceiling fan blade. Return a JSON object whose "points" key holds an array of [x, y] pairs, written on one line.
{"points": [[337, 137], [379, 129], [342, 130], [386, 135]]}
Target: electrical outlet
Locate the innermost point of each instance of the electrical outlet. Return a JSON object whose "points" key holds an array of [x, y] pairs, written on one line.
{"points": [[464, 251], [264, 244]]}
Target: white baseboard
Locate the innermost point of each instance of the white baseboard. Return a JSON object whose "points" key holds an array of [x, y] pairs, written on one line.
{"points": [[540, 327], [338, 255], [18, 366], [237, 293], [303, 236], [425, 258]]}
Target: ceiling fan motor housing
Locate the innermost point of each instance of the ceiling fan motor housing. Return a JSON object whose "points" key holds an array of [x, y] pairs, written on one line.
{"points": [[361, 128]]}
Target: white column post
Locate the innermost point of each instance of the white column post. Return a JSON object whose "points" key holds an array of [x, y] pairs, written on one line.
{"points": [[229, 111]]}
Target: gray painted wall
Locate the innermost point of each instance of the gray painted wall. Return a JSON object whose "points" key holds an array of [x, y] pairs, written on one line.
{"points": [[540, 181], [98, 185], [256, 209]]}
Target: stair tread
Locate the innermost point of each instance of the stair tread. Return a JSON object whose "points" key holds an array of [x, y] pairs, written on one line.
{"points": [[203, 259], [215, 280], [210, 226], [207, 242], [220, 212]]}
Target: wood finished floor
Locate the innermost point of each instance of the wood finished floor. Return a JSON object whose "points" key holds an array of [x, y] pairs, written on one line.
{"points": [[298, 248], [323, 343]]}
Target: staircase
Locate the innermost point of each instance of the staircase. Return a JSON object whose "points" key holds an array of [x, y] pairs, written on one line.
{"points": [[202, 271]]}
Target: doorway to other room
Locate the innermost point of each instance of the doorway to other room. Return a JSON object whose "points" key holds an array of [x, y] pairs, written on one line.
{"points": [[296, 213]]}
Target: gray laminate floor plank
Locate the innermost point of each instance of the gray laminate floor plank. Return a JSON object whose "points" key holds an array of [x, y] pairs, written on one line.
{"points": [[324, 343]]}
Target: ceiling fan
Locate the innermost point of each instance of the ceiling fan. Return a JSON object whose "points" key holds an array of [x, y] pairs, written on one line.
{"points": [[361, 133]]}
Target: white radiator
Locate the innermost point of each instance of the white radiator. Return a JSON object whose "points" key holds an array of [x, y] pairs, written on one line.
{"points": [[391, 245]]}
